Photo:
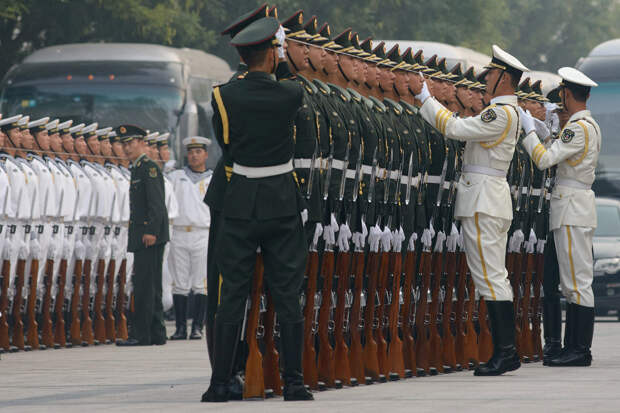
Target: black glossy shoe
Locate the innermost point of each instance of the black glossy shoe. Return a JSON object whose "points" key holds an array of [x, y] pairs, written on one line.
{"points": [[551, 350], [505, 357], [235, 387], [578, 354], [129, 343], [296, 392], [216, 393], [180, 315], [502, 361]]}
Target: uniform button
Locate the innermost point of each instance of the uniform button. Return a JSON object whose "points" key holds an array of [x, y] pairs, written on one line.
{"points": [[468, 183]]}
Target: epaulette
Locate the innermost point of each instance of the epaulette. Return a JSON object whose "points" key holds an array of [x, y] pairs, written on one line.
{"points": [[308, 85], [378, 104], [368, 102], [242, 75], [409, 108], [344, 95], [322, 87], [397, 108], [355, 95]]}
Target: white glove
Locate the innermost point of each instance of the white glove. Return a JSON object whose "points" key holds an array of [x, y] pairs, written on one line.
{"points": [[318, 231], [527, 121], [427, 236], [541, 129], [374, 237], [530, 244], [516, 240], [281, 37], [67, 249], [80, 249], [540, 246], [452, 239], [24, 251], [441, 237], [386, 239], [424, 93], [344, 235], [329, 235], [461, 241], [35, 248], [51, 249], [304, 216], [412, 239], [359, 238], [398, 236]]}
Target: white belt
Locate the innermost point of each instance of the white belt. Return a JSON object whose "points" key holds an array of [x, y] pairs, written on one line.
{"points": [[436, 180], [189, 228], [572, 183], [484, 170], [301, 163], [263, 171], [536, 191]]}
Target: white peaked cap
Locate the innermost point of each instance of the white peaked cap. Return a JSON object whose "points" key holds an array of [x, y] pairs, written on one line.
{"points": [[503, 58], [12, 119], [77, 128], [52, 125], [572, 75]]}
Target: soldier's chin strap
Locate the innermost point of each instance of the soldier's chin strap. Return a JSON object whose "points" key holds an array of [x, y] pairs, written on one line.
{"points": [[342, 72], [498, 80], [459, 100], [312, 66], [367, 85], [290, 59], [10, 140]]}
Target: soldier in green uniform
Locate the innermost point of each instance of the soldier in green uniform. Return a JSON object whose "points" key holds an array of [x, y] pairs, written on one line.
{"points": [[253, 122], [148, 234]]}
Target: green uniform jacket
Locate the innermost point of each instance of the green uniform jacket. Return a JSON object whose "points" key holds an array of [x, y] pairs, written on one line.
{"points": [[253, 122], [148, 213]]}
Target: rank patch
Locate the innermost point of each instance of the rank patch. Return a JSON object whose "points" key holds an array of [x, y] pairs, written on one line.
{"points": [[153, 172], [488, 115], [567, 135]]}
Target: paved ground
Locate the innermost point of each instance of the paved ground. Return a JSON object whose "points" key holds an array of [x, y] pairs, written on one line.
{"points": [[171, 378]]}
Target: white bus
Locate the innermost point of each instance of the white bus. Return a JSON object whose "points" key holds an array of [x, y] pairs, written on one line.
{"points": [[155, 87]]}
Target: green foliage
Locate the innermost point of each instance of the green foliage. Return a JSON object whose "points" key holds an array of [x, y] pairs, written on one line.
{"points": [[544, 34]]}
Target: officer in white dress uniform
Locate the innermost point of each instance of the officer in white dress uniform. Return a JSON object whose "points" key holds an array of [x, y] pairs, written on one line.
{"points": [[188, 246], [573, 211], [483, 201]]}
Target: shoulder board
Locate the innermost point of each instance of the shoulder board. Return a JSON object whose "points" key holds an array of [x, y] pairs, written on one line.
{"points": [[397, 108], [308, 85], [368, 102], [378, 104], [355, 95], [409, 108], [322, 86], [342, 93]]}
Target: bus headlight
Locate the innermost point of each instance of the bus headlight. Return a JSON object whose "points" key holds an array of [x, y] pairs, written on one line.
{"points": [[607, 266]]}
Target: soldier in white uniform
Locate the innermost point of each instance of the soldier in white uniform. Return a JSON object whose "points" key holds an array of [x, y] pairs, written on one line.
{"points": [[188, 246], [573, 211], [483, 201]]}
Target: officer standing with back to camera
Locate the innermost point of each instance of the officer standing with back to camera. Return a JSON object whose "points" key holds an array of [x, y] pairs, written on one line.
{"points": [[253, 121], [148, 234]]}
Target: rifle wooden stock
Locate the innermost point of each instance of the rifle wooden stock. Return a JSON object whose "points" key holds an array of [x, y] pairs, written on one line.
{"points": [[516, 289], [99, 320], [18, 302], [60, 337], [110, 322], [461, 336], [47, 327], [435, 342], [536, 307], [309, 355], [485, 339], [342, 369], [75, 330], [526, 332], [371, 362], [88, 337], [422, 344], [32, 337], [406, 313], [326, 363], [271, 359], [121, 318], [356, 352], [4, 305], [395, 355], [449, 350], [254, 380], [471, 343], [382, 288]]}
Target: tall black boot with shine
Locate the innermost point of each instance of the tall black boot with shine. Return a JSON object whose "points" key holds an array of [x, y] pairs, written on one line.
{"points": [[505, 357], [577, 354], [291, 339], [552, 322], [180, 316], [225, 345], [198, 320]]}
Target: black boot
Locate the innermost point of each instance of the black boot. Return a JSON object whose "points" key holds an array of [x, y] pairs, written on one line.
{"points": [[210, 326], [200, 312], [577, 354], [552, 322], [505, 357], [180, 315], [291, 338], [225, 345]]}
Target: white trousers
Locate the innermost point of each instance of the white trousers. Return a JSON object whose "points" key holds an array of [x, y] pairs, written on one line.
{"points": [[188, 260], [485, 240], [574, 248]]}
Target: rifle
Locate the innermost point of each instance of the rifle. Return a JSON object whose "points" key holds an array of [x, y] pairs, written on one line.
{"points": [[309, 354], [4, 284], [100, 300], [342, 369], [47, 327], [18, 298], [471, 345], [435, 342], [32, 337], [371, 361], [87, 323], [449, 350], [121, 318], [60, 339], [407, 314], [254, 380], [460, 314], [271, 360], [485, 340]]}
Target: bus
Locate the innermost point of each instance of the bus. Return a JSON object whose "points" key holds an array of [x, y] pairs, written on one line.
{"points": [[603, 66], [155, 87]]}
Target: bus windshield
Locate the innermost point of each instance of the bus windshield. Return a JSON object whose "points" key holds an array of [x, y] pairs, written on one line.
{"points": [[604, 103], [151, 107]]}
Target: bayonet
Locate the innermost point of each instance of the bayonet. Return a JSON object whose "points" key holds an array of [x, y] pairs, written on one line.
{"points": [[312, 166], [373, 176], [345, 166], [409, 177], [328, 170], [358, 175]]}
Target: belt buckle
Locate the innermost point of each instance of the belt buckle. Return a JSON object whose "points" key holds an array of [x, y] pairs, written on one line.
{"points": [[188, 228]]}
